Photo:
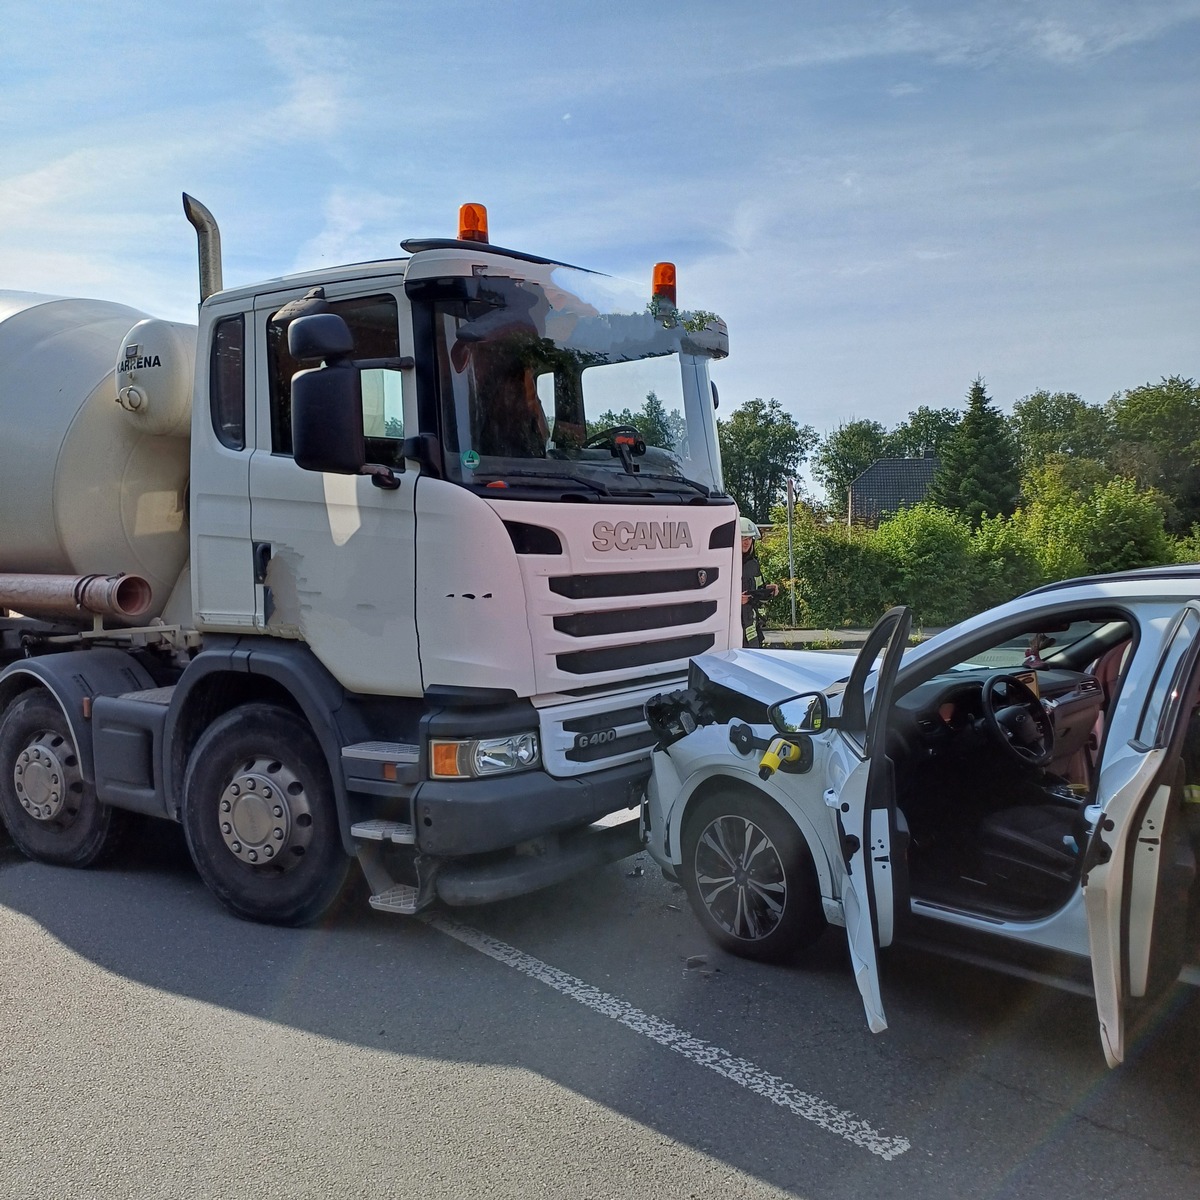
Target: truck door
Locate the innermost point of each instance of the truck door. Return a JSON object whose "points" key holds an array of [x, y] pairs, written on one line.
{"points": [[219, 485], [864, 809], [334, 554], [1138, 866]]}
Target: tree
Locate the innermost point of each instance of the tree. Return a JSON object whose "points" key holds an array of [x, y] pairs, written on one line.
{"points": [[844, 455], [978, 475], [1157, 442], [927, 429], [761, 447], [657, 426], [1059, 423]]}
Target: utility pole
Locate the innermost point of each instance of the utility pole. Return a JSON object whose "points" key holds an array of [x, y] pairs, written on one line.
{"points": [[791, 504]]}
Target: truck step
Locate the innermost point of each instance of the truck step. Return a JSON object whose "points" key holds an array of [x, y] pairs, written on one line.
{"points": [[379, 830], [160, 695], [399, 899], [397, 752]]}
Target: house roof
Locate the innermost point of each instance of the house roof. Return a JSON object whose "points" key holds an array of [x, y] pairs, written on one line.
{"points": [[890, 484]]}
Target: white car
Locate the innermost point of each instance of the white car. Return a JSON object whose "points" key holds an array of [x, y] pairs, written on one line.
{"points": [[1014, 790]]}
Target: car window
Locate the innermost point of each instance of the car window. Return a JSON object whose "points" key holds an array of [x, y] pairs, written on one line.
{"points": [[1167, 690]]}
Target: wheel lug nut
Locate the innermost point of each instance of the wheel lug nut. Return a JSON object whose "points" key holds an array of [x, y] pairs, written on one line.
{"points": [[250, 785], [277, 811], [266, 793], [253, 856], [226, 806], [269, 851], [277, 834], [235, 790], [226, 827], [236, 847]]}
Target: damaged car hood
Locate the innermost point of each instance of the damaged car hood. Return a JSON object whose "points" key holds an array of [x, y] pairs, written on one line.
{"points": [[773, 675]]}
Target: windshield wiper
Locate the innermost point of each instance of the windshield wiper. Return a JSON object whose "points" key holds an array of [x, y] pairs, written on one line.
{"points": [[683, 479], [550, 476]]}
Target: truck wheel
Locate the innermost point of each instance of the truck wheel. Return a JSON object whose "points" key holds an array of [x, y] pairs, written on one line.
{"points": [[49, 809], [750, 877], [260, 818]]}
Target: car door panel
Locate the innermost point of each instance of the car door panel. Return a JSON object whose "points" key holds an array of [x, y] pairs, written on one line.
{"points": [[1130, 881], [863, 809]]}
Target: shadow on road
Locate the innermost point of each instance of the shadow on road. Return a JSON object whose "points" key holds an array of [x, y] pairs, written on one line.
{"points": [[960, 1036]]}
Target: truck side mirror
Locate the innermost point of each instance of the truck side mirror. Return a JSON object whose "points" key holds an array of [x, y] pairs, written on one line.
{"points": [[327, 418], [320, 335], [807, 713]]}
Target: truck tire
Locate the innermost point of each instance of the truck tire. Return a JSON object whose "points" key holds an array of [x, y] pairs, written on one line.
{"points": [[260, 818], [750, 877], [49, 809]]}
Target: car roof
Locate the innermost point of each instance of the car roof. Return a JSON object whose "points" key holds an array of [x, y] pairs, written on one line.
{"points": [[1175, 572]]}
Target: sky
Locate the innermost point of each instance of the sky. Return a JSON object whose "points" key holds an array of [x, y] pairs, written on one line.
{"points": [[883, 201]]}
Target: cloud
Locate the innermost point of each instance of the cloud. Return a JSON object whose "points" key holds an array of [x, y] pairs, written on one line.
{"points": [[1064, 31], [352, 218], [313, 71]]}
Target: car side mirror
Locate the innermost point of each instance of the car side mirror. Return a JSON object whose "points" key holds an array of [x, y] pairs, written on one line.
{"points": [[806, 713]]}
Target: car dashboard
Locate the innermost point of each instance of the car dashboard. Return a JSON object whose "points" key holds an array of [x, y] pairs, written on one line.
{"points": [[940, 714]]}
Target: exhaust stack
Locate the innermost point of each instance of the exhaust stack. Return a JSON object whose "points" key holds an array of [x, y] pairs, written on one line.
{"points": [[208, 238]]}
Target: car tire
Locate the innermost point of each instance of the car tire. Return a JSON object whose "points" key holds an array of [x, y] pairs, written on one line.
{"points": [[260, 818], [49, 809], [750, 877]]}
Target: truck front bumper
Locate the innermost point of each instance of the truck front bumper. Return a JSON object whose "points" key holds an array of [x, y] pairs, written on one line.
{"points": [[477, 816]]}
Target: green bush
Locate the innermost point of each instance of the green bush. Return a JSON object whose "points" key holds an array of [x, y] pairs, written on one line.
{"points": [[928, 558], [1005, 562], [1121, 528], [928, 551], [839, 575]]}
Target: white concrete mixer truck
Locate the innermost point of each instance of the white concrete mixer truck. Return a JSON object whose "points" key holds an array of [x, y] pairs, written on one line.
{"points": [[352, 572]]}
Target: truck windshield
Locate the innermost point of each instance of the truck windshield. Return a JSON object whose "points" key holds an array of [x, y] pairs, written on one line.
{"points": [[568, 383]]}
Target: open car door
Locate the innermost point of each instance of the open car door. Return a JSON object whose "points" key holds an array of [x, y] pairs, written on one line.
{"points": [[864, 807], [1138, 865]]}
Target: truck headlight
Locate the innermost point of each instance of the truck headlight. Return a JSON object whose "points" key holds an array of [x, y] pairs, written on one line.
{"points": [[474, 757]]}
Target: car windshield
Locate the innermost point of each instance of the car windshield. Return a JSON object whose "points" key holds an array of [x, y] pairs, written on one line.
{"points": [[1034, 647], [571, 384]]}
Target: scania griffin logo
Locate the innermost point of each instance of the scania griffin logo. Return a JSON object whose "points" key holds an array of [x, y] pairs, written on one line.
{"points": [[641, 535]]}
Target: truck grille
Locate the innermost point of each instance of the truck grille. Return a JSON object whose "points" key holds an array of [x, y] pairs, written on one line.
{"points": [[620, 658], [604, 618], [634, 583], [601, 731]]}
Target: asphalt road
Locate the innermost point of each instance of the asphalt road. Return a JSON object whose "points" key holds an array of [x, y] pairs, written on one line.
{"points": [[567, 1044]]}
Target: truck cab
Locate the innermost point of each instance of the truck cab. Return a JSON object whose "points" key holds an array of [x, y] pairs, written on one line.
{"points": [[424, 529]]}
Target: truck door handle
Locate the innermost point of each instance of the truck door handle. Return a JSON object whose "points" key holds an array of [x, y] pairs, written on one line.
{"points": [[262, 558]]}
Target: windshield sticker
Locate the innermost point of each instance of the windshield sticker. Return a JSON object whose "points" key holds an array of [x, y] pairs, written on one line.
{"points": [[470, 460]]}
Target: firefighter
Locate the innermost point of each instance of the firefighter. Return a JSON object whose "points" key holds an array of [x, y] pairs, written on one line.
{"points": [[755, 593]]}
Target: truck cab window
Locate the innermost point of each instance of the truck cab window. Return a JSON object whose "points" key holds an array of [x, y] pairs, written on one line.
{"points": [[374, 323], [227, 382]]}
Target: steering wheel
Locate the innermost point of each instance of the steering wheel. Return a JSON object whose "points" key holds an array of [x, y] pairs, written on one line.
{"points": [[1017, 720], [608, 437]]}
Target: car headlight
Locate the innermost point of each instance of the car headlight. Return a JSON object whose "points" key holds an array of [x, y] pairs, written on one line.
{"points": [[470, 758]]}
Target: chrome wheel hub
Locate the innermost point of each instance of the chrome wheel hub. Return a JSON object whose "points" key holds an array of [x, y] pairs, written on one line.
{"points": [[45, 776], [740, 878], [264, 816]]}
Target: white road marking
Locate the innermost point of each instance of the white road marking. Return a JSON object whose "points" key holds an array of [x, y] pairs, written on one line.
{"points": [[739, 1070]]}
